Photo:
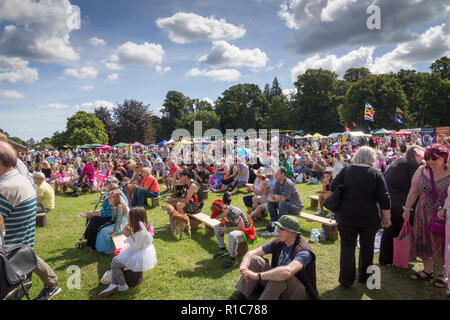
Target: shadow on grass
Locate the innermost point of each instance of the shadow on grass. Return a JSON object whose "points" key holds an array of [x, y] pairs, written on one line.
{"points": [[208, 268]]}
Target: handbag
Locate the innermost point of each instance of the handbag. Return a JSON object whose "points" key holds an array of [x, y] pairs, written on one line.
{"points": [[17, 263], [402, 246], [333, 202]]}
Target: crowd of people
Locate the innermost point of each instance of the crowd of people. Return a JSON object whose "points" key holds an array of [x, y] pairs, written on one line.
{"points": [[386, 181]]}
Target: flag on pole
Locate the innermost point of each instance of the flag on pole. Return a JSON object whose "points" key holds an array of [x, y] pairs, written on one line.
{"points": [[399, 116], [347, 128], [354, 124], [369, 112]]}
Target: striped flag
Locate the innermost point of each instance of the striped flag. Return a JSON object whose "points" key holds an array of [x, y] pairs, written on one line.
{"points": [[399, 116], [369, 112]]}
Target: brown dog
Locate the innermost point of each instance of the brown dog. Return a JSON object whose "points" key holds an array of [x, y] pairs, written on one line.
{"points": [[178, 221]]}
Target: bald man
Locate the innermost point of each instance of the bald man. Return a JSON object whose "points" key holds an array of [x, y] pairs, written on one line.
{"points": [[18, 208]]}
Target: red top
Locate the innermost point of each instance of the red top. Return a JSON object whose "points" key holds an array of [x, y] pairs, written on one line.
{"points": [[151, 182]]}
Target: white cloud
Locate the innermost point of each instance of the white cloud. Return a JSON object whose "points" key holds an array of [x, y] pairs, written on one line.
{"points": [[321, 26], [83, 73], [354, 59], [225, 54], [97, 42], [56, 106], [189, 27], [161, 69], [112, 77], [133, 53], [209, 100], [37, 30], [91, 106], [11, 94], [429, 46], [215, 74], [14, 70], [87, 88]]}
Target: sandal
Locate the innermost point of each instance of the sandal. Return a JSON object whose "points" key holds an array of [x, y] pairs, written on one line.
{"points": [[418, 276], [439, 283]]}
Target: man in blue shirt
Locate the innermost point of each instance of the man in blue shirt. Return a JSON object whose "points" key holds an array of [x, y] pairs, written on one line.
{"points": [[292, 273]]}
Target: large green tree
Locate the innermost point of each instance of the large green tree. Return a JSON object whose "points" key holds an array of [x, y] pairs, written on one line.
{"points": [[134, 122], [175, 107], [105, 115], [315, 104], [442, 66], [81, 128], [383, 92], [242, 106], [356, 74]]}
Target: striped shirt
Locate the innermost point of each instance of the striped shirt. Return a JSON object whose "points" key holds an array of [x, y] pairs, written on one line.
{"points": [[18, 208]]}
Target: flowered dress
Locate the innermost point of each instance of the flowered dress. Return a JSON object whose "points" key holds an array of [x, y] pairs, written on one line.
{"points": [[428, 244]]}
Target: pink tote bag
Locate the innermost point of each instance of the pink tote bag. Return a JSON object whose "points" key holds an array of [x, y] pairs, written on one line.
{"points": [[402, 246]]}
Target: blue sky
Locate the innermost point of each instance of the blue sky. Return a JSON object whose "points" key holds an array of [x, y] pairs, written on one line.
{"points": [[142, 49]]}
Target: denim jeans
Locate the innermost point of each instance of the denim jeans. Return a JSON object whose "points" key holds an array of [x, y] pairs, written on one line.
{"points": [[284, 208], [140, 195]]}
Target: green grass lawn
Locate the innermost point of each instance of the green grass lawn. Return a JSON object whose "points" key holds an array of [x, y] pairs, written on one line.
{"points": [[186, 270]]}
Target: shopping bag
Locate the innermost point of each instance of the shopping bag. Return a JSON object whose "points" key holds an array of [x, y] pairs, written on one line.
{"points": [[402, 246]]}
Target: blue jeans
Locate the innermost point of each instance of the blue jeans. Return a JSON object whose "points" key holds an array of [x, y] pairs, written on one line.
{"points": [[284, 208], [139, 197]]}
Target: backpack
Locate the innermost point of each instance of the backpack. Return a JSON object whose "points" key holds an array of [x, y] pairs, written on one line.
{"points": [[17, 262]]}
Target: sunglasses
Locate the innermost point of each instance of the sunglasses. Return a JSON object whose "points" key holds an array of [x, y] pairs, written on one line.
{"points": [[434, 158]]}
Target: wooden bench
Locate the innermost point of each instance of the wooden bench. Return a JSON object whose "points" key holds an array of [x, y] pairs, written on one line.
{"points": [[155, 202], [205, 194], [131, 278], [314, 201], [330, 225], [199, 218], [41, 220]]}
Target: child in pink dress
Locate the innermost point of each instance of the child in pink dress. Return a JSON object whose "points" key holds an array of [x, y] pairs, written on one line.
{"points": [[444, 213]]}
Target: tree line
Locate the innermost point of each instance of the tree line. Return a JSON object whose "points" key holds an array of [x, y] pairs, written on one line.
{"points": [[321, 103]]}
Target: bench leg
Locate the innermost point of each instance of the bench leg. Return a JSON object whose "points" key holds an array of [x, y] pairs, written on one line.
{"points": [[331, 232], [314, 203], [41, 221], [209, 232], [242, 248], [155, 202], [205, 194], [133, 278], [195, 224]]}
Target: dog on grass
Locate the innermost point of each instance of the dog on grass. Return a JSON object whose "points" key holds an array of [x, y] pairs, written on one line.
{"points": [[178, 221]]}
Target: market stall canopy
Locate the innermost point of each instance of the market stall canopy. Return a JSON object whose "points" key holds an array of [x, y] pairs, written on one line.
{"points": [[183, 141], [95, 145], [356, 133], [336, 134], [85, 146], [104, 147], [382, 132], [307, 136], [137, 144], [242, 151], [297, 137], [316, 135], [170, 141], [402, 133], [120, 144]]}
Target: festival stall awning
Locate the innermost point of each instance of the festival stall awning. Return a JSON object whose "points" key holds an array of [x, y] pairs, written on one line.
{"points": [[162, 143], [120, 144], [316, 135], [242, 151], [183, 141], [307, 136], [104, 147], [382, 132], [137, 144], [402, 133]]}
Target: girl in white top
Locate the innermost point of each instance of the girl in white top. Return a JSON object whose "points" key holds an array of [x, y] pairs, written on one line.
{"points": [[138, 255]]}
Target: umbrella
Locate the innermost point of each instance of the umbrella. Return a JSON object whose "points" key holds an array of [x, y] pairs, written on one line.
{"points": [[382, 132], [402, 133], [120, 144], [243, 151], [316, 135], [162, 143]]}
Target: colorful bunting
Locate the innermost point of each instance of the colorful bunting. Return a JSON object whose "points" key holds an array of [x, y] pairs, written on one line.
{"points": [[369, 112]]}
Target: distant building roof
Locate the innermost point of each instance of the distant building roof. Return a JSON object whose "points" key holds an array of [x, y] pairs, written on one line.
{"points": [[19, 147]]}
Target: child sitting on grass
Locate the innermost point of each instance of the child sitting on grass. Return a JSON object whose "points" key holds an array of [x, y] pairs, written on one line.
{"points": [[139, 255]]}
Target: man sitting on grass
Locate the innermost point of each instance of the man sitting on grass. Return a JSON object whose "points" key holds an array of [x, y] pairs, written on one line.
{"points": [[292, 273]]}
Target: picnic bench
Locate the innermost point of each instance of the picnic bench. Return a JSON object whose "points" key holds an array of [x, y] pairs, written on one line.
{"points": [[41, 220], [330, 225], [199, 218], [155, 201], [131, 278], [314, 201]]}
